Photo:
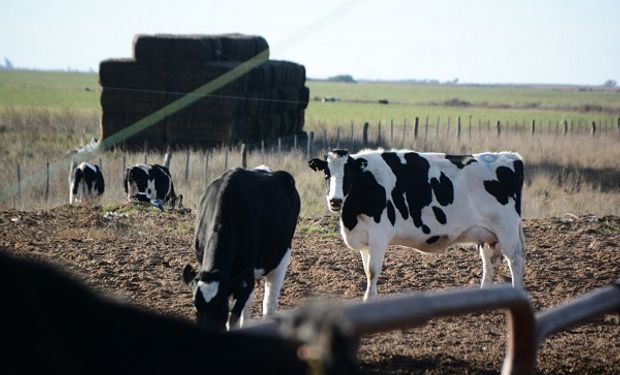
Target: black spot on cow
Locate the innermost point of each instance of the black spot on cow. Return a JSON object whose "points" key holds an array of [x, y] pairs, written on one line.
{"points": [[391, 213], [509, 184], [432, 240], [364, 194], [439, 215], [443, 189], [461, 161], [412, 183]]}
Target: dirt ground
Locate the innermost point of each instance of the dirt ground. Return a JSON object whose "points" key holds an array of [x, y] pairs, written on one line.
{"points": [[138, 257]]}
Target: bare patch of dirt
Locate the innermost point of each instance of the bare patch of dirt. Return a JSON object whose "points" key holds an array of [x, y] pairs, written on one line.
{"points": [[138, 257]]}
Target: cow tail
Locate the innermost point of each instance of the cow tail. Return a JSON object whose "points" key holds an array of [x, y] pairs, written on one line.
{"points": [[100, 181]]}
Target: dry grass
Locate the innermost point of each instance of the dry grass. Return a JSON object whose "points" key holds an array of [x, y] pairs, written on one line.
{"points": [[577, 173]]}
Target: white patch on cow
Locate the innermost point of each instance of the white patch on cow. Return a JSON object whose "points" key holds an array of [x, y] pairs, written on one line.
{"points": [[263, 167], [208, 290], [273, 285]]}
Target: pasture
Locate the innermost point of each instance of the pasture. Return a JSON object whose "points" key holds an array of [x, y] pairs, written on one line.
{"points": [[571, 207]]}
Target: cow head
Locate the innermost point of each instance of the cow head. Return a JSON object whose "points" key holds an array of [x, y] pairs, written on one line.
{"points": [[210, 292], [340, 171]]}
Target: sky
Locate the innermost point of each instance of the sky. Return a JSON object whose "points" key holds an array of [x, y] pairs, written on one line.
{"points": [[476, 41]]}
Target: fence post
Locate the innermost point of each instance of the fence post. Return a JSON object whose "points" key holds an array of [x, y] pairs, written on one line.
{"points": [[458, 127], [426, 129], [533, 127], [309, 144], [415, 128], [351, 143], [47, 180], [499, 128], [262, 151], [365, 134], [294, 142], [392, 130], [206, 165], [469, 127], [448, 128], [338, 137], [279, 146], [325, 145], [404, 130], [593, 128], [244, 156], [187, 165], [379, 134], [19, 182], [565, 127]]}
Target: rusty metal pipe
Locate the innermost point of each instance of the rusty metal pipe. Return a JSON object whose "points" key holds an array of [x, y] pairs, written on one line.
{"points": [[411, 310], [597, 302]]}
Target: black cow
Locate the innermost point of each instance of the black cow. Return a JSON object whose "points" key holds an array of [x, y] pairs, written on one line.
{"points": [[52, 324], [427, 201], [149, 183], [244, 229], [85, 182]]}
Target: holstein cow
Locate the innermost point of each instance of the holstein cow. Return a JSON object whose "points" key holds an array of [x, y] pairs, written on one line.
{"points": [[149, 183], [244, 229], [85, 182], [427, 201], [54, 324]]}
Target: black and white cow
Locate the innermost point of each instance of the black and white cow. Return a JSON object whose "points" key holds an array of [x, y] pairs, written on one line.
{"points": [[244, 229], [427, 201], [85, 182], [149, 182], [54, 324]]}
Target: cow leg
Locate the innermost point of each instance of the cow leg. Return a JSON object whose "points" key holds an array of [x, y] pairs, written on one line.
{"points": [[273, 285], [491, 258], [513, 247], [246, 314], [372, 266], [241, 297]]}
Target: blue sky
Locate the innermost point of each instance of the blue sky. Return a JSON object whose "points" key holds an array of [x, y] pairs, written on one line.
{"points": [[481, 41]]}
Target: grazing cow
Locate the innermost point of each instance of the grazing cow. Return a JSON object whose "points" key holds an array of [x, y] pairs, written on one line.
{"points": [[53, 324], [244, 229], [85, 182], [149, 182], [427, 201]]}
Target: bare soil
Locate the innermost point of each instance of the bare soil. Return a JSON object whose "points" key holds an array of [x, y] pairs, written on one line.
{"points": [[138, 257]]}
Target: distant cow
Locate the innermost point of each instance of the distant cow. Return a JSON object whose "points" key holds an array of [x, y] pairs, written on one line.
{"points": [[85, 182], [52, 324], [427, 201], [244, 229], [149, 182]]}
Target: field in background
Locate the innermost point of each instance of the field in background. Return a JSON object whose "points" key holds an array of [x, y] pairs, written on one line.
{"points": [[44, 114]]}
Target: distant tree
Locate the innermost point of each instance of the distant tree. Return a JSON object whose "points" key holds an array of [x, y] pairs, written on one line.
{"points": [[8, 65], [342, 78], [610, 83]]}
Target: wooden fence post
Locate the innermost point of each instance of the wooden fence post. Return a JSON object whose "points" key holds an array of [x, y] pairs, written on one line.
{"points": [[458, 127], [565, 127], [379, 134], [187, 165], [294, 142], [338, 137], [426, 129], [365, 134], [244, 156], [19, 182], [47, 180], [404, 130], [448, 128], [392, 130], [309, 144], [593, 128], [533, 129], [207, 166], [325, 144], [499, 128], [415, 128]]}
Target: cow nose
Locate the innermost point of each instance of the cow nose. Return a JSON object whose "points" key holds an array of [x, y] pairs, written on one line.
{"points": [[335, 203]]}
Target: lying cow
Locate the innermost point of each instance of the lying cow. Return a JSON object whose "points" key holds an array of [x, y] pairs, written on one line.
{"points": [[244, 229], [427, 201], [53, 324], [85, 182], [149, 183]]}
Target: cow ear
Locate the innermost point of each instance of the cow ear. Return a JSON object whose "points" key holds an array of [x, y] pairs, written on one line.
{"points": [[317, 164], [188, 274]]}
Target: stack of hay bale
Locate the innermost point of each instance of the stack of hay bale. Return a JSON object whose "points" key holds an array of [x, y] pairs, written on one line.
{"points": [[266, 103]]}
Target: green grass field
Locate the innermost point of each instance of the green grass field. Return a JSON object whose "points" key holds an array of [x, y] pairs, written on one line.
{"points": [[44, 114]]}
